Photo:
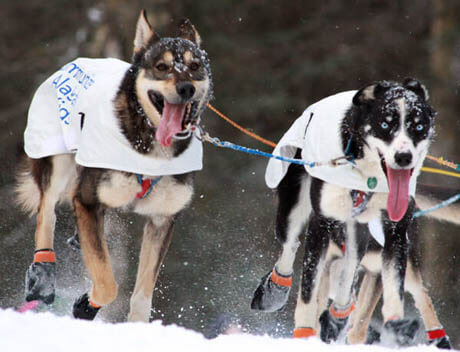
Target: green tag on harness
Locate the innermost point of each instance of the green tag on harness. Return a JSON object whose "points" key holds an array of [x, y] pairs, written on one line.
{"points": [[371, 182]]}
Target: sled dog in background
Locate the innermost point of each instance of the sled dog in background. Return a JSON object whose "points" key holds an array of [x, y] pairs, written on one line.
{"points": [[105, 133], [383, 131], [371, 285]]}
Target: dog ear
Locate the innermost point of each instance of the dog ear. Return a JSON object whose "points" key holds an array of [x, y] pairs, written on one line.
{"points": [[144, 33], [368, 94], [418, 88], [187, 31]]}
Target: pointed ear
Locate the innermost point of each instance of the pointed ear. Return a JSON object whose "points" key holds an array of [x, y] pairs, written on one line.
{"points": [[417, 88], [187, 31], [368, 94], [144, 33]]}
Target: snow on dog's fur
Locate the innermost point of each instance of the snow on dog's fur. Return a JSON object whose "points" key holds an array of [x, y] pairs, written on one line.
{"points": [[135, 117], [384, 131]]}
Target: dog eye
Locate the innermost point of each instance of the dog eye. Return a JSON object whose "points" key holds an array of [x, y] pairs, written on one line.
{"points": [[162, 67], [384, 125], [194, 66], [419, 127]]}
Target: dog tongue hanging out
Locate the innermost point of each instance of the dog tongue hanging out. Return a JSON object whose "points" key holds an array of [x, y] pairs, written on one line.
{"points": [[170, 123], [400, 125], [398, 196], [383, 131], [172, 87], [128, 127]]}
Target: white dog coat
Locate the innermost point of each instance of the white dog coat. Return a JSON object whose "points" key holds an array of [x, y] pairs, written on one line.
{"points": [[317, 134], [87, 87]]}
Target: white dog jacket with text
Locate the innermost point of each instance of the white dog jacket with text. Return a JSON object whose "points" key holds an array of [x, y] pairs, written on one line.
{"points": [[86, 89]]}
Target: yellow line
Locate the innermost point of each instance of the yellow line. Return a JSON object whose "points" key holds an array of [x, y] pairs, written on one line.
{"points": [[442, 172]]}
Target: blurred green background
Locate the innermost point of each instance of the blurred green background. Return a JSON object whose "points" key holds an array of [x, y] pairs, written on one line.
{"points": [[270, 60]]}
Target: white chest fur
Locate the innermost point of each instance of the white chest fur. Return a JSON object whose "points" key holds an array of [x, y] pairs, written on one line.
{"points": [[166, 198], [336, 202]]}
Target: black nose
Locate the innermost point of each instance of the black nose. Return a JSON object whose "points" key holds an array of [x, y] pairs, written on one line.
{"points": [[403, 159], [185, 90]]}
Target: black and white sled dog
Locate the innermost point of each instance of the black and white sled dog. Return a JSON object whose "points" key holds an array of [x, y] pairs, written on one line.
{"points": [[369, 146], [103, 133]]}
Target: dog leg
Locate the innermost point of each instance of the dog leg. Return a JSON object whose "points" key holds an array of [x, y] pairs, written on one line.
{"points": [[293, 210], [90, 221], [314, 264], [434, 330], [323, 299], [155, 243], [343, 274], [328, 326], [52, 176], [332, 320], [397, 330], [369, 295]]}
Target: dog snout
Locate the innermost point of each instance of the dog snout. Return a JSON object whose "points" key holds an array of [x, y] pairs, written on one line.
{"points": [[185, 90], [403, 159]]}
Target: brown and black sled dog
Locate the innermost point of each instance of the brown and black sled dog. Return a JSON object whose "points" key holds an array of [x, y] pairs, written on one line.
{"points": [[103, 133]]}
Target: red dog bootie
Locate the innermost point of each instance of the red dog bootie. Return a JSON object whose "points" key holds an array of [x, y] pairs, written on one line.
{"points": [[438, 338]]}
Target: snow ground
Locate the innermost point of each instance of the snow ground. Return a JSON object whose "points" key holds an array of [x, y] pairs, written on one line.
{"points": [[47, 332]]}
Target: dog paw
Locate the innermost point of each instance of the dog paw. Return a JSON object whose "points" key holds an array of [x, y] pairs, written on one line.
{"points": [[272, 293], [373, 336], [83, 309], [401, 331], [331, 327], [41, 282]]}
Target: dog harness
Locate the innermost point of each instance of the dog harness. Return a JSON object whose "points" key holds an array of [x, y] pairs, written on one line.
{"points": [[147, 184], [360, 200], [84, 91]]}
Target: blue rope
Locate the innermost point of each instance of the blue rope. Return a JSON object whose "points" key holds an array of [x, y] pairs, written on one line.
{"points": [[439, 206], [347, 151], [229, 145], [258, 152]]}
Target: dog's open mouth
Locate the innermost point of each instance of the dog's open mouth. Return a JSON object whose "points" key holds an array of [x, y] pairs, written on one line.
{"points": [[398, 184], [175, 118]]}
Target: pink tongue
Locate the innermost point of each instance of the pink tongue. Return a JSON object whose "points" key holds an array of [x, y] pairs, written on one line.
{"points": [[170, 123], [398, 198]]}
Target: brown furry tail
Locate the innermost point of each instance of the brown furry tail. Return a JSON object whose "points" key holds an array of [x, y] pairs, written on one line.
{"points": [[27, 190]]}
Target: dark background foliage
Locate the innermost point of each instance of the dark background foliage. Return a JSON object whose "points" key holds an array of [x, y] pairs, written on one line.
{"points": [[270, 60]]}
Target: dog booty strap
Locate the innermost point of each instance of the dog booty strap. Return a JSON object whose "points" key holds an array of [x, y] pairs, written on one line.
{"points": [[281, 280], [435, 334], [304, 333], [438, 338], [272, 293], [341, 313], [44, 256]]}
